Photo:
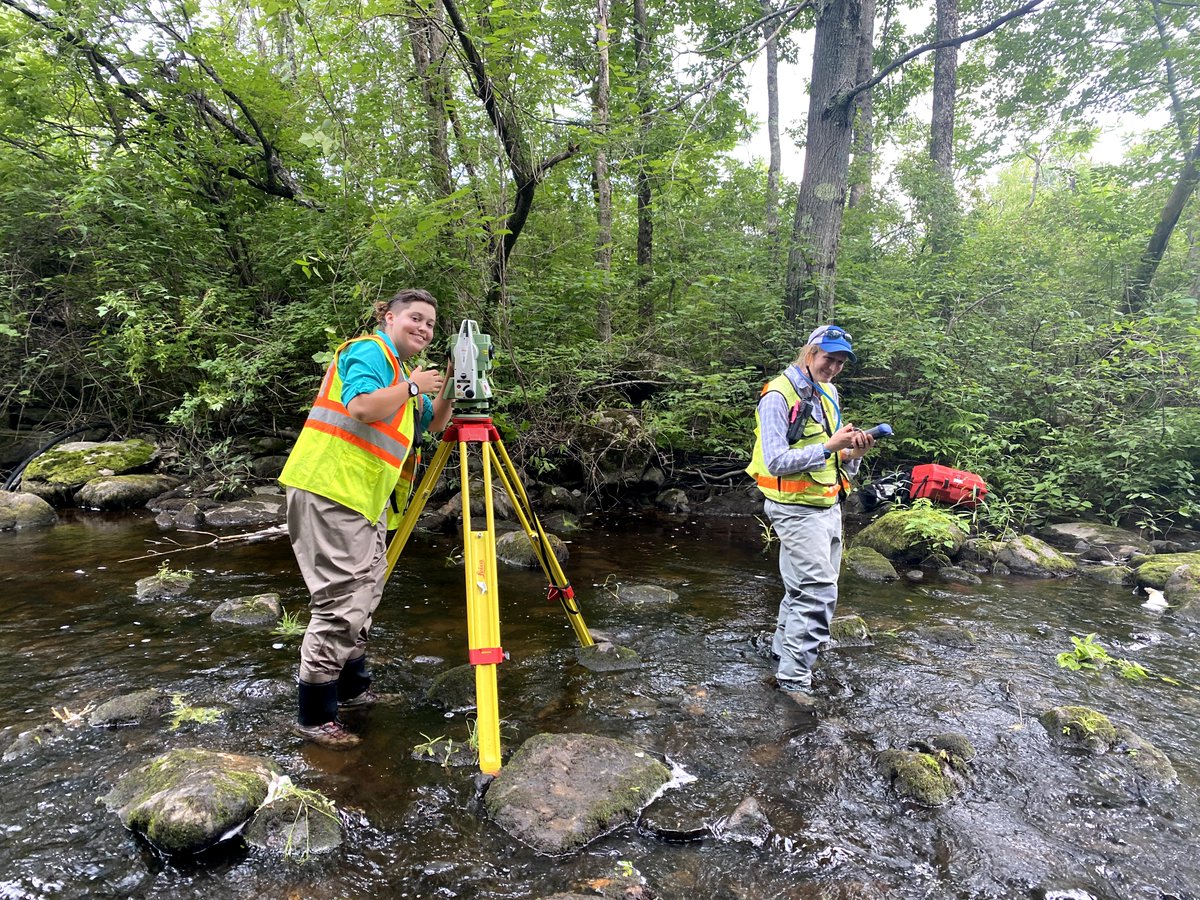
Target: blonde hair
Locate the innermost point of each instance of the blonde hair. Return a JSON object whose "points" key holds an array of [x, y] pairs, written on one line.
{"points": [[402, 298]]}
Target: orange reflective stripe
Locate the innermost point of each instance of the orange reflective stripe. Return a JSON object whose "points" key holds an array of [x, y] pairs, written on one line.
{"points": [[788, 486]]}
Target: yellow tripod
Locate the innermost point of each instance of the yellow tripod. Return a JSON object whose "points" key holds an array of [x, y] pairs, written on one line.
{"points": [[479, 564]]}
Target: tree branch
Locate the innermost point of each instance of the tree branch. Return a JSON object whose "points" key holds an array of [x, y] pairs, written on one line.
{"points": [[848, 97]]}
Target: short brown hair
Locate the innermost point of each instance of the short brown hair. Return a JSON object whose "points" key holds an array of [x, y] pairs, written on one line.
{"points": [[402, 298]]}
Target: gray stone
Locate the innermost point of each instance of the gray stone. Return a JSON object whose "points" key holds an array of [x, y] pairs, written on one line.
{"points": [[561, 791], [869, 564], [604, 656], [165, 584], [21, 510], [515, 549], [117, 492], [1119, 543], [294, 823], [130, 709]]}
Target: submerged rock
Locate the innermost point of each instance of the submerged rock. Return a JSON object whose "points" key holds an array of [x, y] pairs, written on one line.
{"points": [[604, 656], [516, 549], [917, 776], [188, 800], [257, 611], [453, 689], [949, 636], [869, 564], [130, 709], [165, 584], [30, 742], [293, 822], [645, 594], [1080, 726], [561, 791], [847, 630]]}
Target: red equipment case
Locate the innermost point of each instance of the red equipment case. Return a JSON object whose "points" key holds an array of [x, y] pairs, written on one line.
{"points": [[946, 485]]}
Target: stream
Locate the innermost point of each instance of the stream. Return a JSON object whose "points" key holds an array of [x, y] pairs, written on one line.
{"points": [[1032, 819]]}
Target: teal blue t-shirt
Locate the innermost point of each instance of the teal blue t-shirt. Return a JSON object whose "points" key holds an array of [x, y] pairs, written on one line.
{"points": [[363, 368]]}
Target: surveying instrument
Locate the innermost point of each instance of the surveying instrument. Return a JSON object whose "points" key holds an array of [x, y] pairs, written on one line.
{"points": [[471, 425]]}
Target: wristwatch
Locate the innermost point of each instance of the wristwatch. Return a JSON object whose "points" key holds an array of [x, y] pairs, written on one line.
{"points": [[414, 389]]}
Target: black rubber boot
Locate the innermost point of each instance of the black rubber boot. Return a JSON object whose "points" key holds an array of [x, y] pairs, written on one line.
{"points": [[354, 681], [318, 703]]}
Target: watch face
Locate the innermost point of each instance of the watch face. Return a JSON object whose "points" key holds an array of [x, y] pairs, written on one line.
{"points": [[413, 390]]}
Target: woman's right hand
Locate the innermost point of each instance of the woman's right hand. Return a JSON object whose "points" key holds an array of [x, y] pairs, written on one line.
{"points": [[430, 381]]}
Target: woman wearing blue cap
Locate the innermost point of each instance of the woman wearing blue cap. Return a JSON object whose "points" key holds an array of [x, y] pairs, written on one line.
{"points": [[804, 457]]}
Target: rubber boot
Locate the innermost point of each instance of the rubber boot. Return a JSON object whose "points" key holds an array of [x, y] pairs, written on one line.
{"points": [[318, 722], [318, 703], [354, 682]]}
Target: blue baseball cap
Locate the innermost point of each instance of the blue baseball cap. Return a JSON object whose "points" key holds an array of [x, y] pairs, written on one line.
{"points": [[832, 339]]}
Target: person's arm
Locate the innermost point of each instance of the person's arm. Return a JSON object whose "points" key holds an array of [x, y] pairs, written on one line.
{"points": [[779, 457], [384, 402]]}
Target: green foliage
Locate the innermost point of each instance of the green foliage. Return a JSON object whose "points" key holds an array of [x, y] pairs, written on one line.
{"points": [[1090, 655], [182, 713], [290, 625]]}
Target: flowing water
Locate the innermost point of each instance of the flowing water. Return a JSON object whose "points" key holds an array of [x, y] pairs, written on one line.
{"points": [[1032, 820]]}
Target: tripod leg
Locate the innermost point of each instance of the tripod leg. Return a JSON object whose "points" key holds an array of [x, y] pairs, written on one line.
{"points": [[560, 586], [416, 506], [483, 614]]}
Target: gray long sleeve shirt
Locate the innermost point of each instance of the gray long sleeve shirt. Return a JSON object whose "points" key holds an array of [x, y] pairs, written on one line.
{"points": [[773, 415]]}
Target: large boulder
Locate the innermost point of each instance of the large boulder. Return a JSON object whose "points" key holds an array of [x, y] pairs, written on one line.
{"points": [[117, 492], [1083, 536], [1157, 570], [58, 474], [1182, 591], [188, 800], [1026, 555], [21, 510], [913, 535], [561, 791]]}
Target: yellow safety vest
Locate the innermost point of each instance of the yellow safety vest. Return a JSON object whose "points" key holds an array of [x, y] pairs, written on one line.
{"points": [[817, 487], [356, 464]]}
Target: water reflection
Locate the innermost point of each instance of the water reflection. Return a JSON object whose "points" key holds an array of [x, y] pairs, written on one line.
{"points": [[1032, 819]]}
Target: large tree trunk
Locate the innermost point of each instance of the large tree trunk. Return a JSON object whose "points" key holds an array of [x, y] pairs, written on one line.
{"points": [[1137, 293], [427, 34], [816, 229], [645, 198], [943, 211], [770, 26], [863, 141], [600, 114]]}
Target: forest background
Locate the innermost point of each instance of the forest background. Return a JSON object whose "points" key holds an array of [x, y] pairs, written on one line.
{"points": [[199, 200]]}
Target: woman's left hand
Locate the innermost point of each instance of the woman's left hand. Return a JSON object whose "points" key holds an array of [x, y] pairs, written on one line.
{"points": [[860, 444]]}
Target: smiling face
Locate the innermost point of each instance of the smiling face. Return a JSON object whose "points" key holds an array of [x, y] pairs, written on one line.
{"points": [[824, 366], [410, 327]]}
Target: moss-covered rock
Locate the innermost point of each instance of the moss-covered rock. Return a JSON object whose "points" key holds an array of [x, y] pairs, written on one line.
{"points": [[21, 510], [1114, 575], [165, 584], [949, 636], [1182, 591], [257, 611], [604, 656], [1027, 555], [913, 535], [516, 549], [1146, 760], [130, 709], [1080, 726], [561, 791], [187, 800], [59, 472], [1156, 570], [869, 564], [917, 776], [453, 689], [848, 630], [29, 743]]}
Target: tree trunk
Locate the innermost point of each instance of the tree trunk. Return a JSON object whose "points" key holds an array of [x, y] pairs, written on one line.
{"points": [[863, 142], [943, 212], [603, 184], [645, 197], [816, 229], [1136, 295], [427, 34], [772, 217]]}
